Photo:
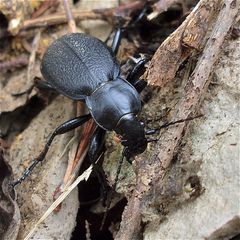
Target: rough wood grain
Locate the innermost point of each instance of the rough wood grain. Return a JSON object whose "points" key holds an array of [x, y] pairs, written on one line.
{"points": [[151, 172], [182, 43]]}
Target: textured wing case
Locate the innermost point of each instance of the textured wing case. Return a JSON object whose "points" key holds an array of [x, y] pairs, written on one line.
{"points": [[76, 64]]}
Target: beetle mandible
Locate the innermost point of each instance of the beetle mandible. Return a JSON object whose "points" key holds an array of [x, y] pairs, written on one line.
{"points": [[83, 68]]}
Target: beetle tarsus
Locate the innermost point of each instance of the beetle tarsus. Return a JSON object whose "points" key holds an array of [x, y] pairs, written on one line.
{"points": [[26, 173]]}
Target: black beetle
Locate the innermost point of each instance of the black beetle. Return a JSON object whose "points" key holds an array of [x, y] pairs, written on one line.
{"points": [[83, 68]]}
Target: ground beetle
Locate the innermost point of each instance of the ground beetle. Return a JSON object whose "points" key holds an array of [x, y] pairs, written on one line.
{"points": [[83, 68]]}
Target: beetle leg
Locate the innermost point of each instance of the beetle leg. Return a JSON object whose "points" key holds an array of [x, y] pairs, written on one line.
{"points": [[116, 40], [95, 149], [118, 34], [135, 74], [63, 128], [140, 16]]}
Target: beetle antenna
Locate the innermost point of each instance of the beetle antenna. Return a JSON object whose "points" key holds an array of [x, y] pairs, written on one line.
{"points": [[152, 131], [110, 198]]}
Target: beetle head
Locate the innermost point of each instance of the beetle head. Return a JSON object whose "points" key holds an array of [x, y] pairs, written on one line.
{"points": [[132, 135]]}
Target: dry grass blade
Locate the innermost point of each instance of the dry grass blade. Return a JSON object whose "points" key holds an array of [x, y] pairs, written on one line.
{"points": [[60, 199]]}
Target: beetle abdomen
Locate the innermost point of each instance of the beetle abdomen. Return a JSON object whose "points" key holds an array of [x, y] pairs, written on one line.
{"points": [[113, 100], [76, 64]]}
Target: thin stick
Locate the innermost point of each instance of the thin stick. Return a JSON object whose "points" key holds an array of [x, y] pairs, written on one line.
{"points": [[29, 83], [124, 10], [59, 18], [71, 21], [15, 63], [32, 58], [80, 152]]}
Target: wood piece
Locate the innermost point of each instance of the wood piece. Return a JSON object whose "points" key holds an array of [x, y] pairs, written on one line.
{"points": [[15, 63], [44, 6], [105, 14], [181, 44], [161, 6], [70, 18], [124, 10], [32, 58], [59, 18], [151, 171]]}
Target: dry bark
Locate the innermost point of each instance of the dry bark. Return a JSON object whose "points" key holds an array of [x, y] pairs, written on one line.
{"points": [[188, 39]]}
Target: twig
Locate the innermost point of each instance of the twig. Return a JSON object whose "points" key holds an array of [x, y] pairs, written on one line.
{"points": [[124, 10], [32, 57], [161, 6], [105, 14], [70, 18], [151, 172], [29, 83], [15, 63], [59, 18], [44, 6]]}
